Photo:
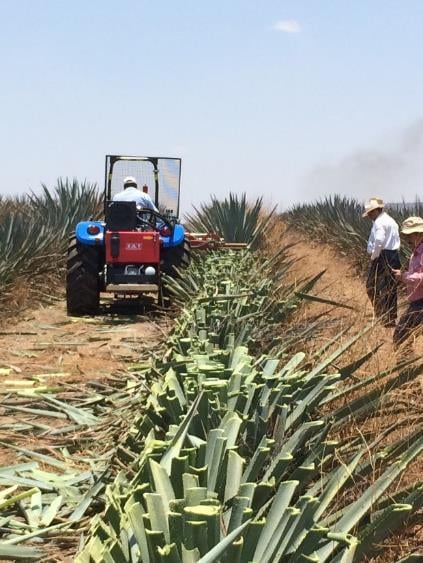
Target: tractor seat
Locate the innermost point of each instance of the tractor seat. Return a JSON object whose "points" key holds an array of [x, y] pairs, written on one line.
{"points": [[121, 216]]}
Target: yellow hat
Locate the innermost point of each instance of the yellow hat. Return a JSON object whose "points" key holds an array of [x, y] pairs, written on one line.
{"points": [[372, 204], [412, 225]]}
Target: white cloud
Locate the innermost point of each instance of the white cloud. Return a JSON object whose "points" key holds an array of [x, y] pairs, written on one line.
{"points": [[287, 26]]}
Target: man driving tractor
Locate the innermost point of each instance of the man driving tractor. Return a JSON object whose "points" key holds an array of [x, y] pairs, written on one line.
{"points": [[131, 192]]}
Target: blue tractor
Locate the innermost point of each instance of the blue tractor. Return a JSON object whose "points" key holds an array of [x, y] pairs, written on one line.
{"points": [[127, 253]]}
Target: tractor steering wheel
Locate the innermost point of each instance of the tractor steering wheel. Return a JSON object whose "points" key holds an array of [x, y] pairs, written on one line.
{"points": [[152, 219]]}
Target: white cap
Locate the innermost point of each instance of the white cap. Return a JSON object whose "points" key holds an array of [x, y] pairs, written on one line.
{"points": [[129, 181]]}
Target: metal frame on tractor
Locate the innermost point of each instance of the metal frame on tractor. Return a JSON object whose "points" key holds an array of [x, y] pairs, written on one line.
{"points": [[111, 160]]}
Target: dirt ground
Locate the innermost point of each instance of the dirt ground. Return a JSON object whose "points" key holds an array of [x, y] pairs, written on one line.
{"points": [[47, 340], [46, 349], [343, 284]]}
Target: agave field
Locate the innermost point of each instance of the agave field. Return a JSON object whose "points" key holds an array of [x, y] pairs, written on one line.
{"points": [[34, 232], [337, 221], [232, 444]]}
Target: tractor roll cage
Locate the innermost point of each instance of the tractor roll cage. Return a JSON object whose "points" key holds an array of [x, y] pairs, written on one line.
{"points": [[111, 160]]}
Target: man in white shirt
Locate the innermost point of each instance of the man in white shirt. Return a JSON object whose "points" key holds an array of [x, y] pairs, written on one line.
{"points": [[131, 192], [382, 246]]}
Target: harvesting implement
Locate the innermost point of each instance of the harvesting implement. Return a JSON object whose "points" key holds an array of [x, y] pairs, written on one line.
{"points": [[126, 254], [212, 241]]}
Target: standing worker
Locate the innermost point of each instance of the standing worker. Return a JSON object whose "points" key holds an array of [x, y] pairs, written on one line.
{"points": [[383, 246], [413, 280]]}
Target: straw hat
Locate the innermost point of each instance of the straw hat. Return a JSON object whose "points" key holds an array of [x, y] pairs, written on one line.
{"points": [[129, 181], [412, 225], [372, 204]]}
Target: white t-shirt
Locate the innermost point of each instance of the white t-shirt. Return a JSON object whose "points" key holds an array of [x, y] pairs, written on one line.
{"points": [[383, 236], [134, 194]]}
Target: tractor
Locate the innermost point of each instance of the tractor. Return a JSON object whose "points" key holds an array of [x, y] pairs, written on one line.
{"points": [[127, 254]]}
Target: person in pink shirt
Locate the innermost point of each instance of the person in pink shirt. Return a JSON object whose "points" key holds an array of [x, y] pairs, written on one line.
{"points": [[413, 280]]}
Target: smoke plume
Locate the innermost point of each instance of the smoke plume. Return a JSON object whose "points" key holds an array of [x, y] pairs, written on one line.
{"points": [[394, 173]]}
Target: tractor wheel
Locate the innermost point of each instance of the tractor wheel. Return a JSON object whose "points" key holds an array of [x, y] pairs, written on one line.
{"points": [[176, 257], [82, 279]]}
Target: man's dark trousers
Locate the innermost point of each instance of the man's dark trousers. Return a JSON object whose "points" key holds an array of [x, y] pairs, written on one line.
{"points": [[382, 286]]}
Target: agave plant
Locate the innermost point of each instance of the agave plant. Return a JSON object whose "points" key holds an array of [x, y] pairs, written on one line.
{"points": [[67, 204], [233, 218], [10, 205], [34, 232]]}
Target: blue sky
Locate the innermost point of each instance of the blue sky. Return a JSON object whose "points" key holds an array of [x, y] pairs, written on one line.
{"points": [[292, 100]]}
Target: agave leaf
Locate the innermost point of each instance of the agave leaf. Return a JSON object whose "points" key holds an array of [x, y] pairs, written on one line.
{"points": [[36, 534], [335, 482], [50, 460], [411, 558], [179, 438], [15, 552], [234, 474], [353, 513], [296, 533], [223, 545], [86, 501], [190, 555], [80, 416], [50, 512], [214, 466], [157, 512], [317, 299], [336, 354], [348, 554], [39, 412], [16, 498], [18, 468], [14, 480], [231, 425], [8, 491], [135, 514], [162, 483], [34, 510], [274, 518]]}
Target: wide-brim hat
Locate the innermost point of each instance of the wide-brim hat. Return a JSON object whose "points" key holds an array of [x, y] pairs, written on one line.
{"points": [[412, 225], [130, 181], [372, 204]]}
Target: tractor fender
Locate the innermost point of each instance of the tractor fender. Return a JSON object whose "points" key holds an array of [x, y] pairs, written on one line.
{"points": [[84, 237], [176, 238]]}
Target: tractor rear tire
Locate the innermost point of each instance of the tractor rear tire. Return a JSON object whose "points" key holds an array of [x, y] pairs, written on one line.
{"points": [[82, 279], [176, 257]]}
